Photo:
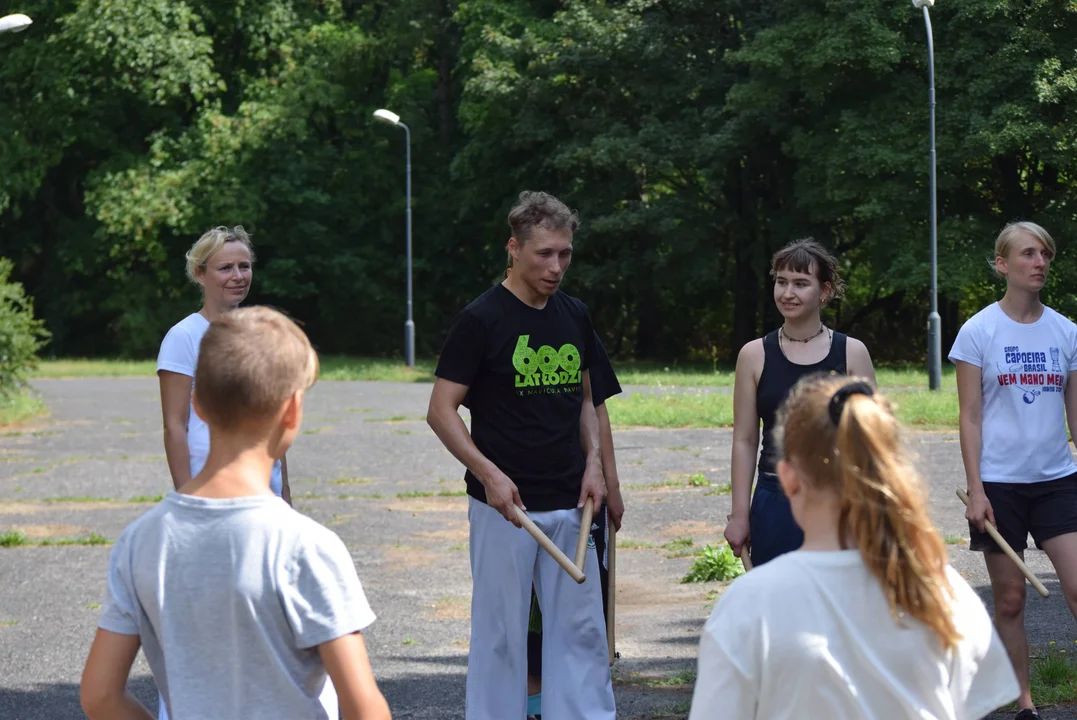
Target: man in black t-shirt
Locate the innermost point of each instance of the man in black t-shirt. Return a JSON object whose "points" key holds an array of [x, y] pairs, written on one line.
{"points": [[520, 354]]}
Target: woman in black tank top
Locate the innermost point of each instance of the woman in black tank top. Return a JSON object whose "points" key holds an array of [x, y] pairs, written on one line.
{"points": [[805, 279]]}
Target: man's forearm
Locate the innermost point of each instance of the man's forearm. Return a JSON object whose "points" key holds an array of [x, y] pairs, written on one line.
{"points": [[609, 459], [589, 434]]}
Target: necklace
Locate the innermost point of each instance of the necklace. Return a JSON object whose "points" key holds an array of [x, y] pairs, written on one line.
{"points": [[807, 339]]}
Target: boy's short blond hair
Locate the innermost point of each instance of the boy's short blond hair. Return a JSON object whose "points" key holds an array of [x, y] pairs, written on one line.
{"points": [[250, 362]]}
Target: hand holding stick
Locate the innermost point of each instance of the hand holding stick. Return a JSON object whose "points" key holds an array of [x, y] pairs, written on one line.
{"points": [[548, 545], [1008, 550]]}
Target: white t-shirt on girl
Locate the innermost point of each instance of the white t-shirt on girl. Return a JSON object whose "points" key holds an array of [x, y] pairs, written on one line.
{"points": [[179, 354], [1025, 368], [811, 635]]}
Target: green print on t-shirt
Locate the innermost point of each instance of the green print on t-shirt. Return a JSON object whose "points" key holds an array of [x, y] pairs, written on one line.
{"points": [[545, 366]]}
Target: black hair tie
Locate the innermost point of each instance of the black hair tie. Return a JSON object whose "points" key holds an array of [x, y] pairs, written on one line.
{"points": [[837, 401]]}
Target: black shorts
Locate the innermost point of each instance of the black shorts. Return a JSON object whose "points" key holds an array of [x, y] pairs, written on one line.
{"points": [[1044, 509]]}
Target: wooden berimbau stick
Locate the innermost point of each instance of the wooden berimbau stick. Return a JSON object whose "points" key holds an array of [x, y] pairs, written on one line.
{"points": [[611, 600], [548, 545], [585, 533], [1008, 550]]}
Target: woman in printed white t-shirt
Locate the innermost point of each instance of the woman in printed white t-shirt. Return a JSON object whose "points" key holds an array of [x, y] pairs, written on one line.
{"points": [[1015, 362], [221, 261], [866, 621]]}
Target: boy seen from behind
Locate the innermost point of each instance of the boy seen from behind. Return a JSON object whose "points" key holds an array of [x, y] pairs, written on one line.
{"points": [[262, 602]]}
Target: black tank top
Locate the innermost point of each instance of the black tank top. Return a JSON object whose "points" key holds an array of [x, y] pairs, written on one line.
{"points": [[778, 378]]}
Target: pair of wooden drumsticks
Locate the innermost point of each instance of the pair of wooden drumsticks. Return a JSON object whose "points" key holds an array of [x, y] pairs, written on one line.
{"points": [[575, 569], [1035, 581]]}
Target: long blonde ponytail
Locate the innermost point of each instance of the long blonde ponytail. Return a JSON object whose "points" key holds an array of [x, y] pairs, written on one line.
{"points": [[843, 434]]}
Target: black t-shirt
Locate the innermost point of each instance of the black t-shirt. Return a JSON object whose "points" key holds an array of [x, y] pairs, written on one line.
{"points": [[523, 369], [604, 383]]}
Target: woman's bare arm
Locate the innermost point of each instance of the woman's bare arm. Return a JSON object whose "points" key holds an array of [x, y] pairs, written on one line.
{"points": [[176, 391]]}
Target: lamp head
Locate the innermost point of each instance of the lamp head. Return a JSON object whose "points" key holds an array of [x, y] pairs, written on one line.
{"points": [[15, 23], [923, 3], [387, 117]]}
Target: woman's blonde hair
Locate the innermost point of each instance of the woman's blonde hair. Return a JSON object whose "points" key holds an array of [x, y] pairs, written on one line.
{"points": [[212, 241], [842, 434], [1004, 241]]}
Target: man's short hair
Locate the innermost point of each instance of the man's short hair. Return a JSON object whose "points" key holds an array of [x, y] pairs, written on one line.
{"points": [[539, 209], [250, 362]]}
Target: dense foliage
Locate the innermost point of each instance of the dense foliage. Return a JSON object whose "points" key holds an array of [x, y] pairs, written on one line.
{"points": [[695, 137]]}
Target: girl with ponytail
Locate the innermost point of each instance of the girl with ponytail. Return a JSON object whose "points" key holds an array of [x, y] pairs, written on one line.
{"points": [[866, 620]]}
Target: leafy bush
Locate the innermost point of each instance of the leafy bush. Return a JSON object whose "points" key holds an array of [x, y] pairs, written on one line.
{"points": [[21, 335], [714, 565]]}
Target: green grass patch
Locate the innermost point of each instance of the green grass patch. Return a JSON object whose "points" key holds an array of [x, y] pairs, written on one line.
{"points": [[673, 410], [78, 499], [714, 565], [683, 678], [147, 498], [1053, 678], [680, 547], [627, 544], [352, 481], [721, 489], [13, 538], [341, 367], [431, 493], [955, 540], [698, 480], [924, 409], [921, 409], [91, 539], [20, 407], [95, 367]]}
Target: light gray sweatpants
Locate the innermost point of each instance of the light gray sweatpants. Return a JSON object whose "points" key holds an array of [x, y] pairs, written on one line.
{"points": [[505, 561]]}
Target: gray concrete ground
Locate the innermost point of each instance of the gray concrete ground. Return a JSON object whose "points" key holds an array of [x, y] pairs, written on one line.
{"points": [[364, 456]]}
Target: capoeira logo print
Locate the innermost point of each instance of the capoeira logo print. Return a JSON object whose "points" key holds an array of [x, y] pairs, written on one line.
{"points": [[1027, 372]]}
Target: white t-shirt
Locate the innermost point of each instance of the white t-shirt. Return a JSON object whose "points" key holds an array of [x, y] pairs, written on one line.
{"points": [[810, 635], [179, 354], [252, 587], [1025, 368]]}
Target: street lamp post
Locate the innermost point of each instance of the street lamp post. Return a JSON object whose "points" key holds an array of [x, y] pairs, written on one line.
{"points": [[409, 326], [14, 23], [934, 321]]}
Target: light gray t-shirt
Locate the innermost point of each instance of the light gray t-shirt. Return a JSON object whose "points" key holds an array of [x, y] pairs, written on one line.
{"points": [[231, 598]]}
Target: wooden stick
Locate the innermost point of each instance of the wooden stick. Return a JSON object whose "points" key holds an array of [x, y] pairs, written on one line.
{"points": [[611, 590], [1008, 550], [547, 544], [746, 557], [585, 533]]}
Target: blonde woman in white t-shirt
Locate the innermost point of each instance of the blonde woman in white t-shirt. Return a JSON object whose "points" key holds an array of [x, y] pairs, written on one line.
{"points": [[1016, 361], [866, 621], [222, 263]]}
